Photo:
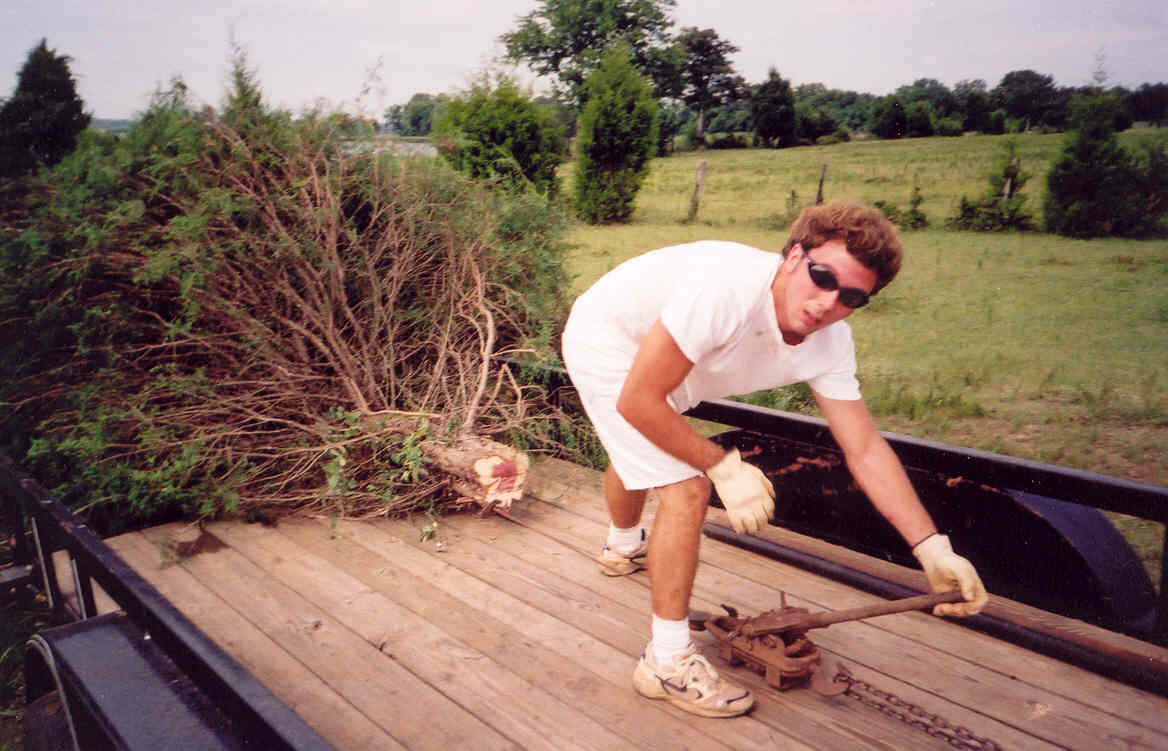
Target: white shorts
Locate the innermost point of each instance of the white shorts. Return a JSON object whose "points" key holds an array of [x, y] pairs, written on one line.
{"points": [[598, 376]]}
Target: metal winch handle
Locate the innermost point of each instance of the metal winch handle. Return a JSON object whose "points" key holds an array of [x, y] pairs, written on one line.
{"points": [[922, 602]]}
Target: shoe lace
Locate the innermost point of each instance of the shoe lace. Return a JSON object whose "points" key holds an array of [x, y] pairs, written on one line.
{"points": [[696, 670]]}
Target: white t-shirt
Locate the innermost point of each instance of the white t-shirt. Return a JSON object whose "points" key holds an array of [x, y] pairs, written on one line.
{"points": [[715, 299]]}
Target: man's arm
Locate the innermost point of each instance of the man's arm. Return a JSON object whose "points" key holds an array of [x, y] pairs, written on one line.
{"points": [[877, 469], [658, 368], [881, 476]]}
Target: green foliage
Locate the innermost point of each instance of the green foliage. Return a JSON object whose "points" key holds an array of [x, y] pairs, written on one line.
{"points": [[949, 126], [1002, 207], [772, 109], [1096, 187], [919, 120], [205, 317], [707, 78], [913, 219], [566, 40], [40, 122], [812, 123], [889, 119], [495, 131], [617, 138]]}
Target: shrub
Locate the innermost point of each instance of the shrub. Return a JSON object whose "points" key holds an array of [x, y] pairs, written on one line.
{"points": [[912, 219], [221, 317], [618, 133], [996, 124], [827, 140], [842, 134], [1096, 187], [729, 141], [919, 120], [495, 131], [888, 118], [1002, 207], [949, 126]]}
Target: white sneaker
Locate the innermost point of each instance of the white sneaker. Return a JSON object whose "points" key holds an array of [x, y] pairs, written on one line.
{"points": [[691, 684], [613, 563]]}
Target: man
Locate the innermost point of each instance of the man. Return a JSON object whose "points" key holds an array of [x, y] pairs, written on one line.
{"points": [[668, 329]]}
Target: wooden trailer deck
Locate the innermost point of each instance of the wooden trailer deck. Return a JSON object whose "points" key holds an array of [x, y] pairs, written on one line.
{"points": [[499, 635]]}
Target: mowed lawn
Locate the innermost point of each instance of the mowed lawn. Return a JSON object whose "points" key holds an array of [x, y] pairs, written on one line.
{"points": [[1026, 344]]}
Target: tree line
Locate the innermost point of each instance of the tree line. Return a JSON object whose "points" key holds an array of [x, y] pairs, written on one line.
{"points": [[698, 89]]}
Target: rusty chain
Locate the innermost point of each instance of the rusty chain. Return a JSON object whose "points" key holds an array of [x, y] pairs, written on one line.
{"points": [[912, 715]]}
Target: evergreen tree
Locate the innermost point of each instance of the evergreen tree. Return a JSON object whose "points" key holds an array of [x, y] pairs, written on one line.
{"points": [[889, 119], [40, 123], [1096, 187], [496, 131], [772, 108], [617, 137]]}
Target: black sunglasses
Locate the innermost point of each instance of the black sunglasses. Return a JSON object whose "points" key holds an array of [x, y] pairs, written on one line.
{"points": [[823, 278]]}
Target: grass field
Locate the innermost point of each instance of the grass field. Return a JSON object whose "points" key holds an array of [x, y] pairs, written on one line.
{"points": [[1026, 344]]}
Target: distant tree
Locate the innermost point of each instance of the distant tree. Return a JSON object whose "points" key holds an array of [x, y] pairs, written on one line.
{"points": [[732, 117], [707, 78], [973, 104], [812, 122], [1096, 187], [672, 116], [772, 108], [1026, 95], [930, 90], [889, 119], [40, 122], [616, 139], [565, 40], [394, 120], [1150, 103], [496, 131], [919, 119], [417, 116]]}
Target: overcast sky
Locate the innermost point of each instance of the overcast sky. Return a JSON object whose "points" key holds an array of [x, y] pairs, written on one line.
{"points": [[313, 51]]}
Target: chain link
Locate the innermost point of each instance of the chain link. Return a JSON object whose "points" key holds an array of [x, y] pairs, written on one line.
{"points": [[912, 715]]}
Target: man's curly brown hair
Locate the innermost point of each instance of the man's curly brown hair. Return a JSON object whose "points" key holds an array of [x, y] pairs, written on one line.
{"points": [[867, 234]]}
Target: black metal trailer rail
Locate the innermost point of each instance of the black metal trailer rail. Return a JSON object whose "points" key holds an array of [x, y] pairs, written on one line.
{"points": [[1086, 489], [257, 718]]}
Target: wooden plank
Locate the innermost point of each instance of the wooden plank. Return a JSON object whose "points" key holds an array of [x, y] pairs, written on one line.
{"points": [[592, 675], [839, 716], [337, 721], [517, 708], [550, 479], [377, 686], [1138, 706]]}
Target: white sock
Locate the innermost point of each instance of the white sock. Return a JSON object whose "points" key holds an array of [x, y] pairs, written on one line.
{"points": [[670, 639], [624, 540]]}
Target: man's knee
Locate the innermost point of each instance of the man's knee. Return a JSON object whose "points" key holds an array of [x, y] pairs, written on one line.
{"points": [[692, 494]]}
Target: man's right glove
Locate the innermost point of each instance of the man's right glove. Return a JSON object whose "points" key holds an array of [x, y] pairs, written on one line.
{"points": [[946, 570], [749, 497]]}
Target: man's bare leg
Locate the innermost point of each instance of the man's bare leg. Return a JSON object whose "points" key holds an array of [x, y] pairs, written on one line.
{"points": [[670, 668], [624, 549], [673, 546], [624, 506]]}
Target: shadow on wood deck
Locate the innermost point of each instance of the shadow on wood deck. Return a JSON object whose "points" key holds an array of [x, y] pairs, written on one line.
{"points": [[497, 635]]}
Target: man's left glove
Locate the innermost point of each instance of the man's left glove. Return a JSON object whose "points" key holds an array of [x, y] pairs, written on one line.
{"points": [[946, 570]]}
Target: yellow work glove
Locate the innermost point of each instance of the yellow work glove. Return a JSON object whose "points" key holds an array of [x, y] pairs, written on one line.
{"points": [[749, 497], [946, 570]]}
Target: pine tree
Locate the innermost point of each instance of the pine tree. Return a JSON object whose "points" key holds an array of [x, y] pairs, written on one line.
{"points": [[617, 137], [39, 125]]}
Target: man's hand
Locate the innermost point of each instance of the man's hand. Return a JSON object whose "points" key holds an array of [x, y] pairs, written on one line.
{"points": [[946, 570], [749, 497]]}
